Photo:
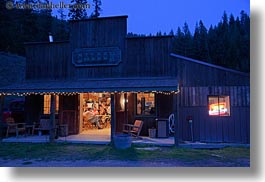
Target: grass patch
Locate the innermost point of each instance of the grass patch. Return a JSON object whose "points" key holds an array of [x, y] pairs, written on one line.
{"points": [[62, 152]]}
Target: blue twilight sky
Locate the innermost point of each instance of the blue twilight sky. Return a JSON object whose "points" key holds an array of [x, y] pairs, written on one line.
{"points": [[151, 16]]}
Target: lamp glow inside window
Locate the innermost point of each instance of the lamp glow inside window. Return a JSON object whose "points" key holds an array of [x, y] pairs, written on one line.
{"points": [[145, 104], [219, 105], [47, 104]]}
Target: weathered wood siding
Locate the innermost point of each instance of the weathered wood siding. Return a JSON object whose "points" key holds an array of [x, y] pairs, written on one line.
{"points": [[69, 113], [140, 56], [197, 96], [148, 56], [193, 74], [144, 58], [48, 61], [233, 128], [98, 33]]}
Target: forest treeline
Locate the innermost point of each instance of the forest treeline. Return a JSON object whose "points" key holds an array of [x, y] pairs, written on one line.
{"points": [[225, 44]]}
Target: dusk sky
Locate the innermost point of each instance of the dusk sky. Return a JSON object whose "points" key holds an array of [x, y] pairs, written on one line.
{"points": [[151, 16]]}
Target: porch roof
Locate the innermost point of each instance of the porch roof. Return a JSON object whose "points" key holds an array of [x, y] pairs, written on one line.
{"points": [[153, 84]]}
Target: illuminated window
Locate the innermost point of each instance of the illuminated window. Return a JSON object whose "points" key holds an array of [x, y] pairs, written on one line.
{"points": [[219, 105], [47, 104], [145, 104]]}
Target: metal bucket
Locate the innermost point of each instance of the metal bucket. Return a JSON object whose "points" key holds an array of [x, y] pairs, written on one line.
{"points": [[152, 133]]}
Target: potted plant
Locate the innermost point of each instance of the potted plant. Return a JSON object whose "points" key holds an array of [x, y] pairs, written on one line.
{"points": [[152, 132]]}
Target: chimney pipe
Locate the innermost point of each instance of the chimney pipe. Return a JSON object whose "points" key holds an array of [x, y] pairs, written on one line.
{"points": [[50, 37]]}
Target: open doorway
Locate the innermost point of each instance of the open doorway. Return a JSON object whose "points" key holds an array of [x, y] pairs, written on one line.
{"points": [[95, 114]]}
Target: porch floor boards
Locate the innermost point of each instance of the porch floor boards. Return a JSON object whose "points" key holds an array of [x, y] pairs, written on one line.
{"points": [[93, 136], [103, 138]]}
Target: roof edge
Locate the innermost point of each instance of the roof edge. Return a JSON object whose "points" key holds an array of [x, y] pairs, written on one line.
{"points": [[150, 37], [100, 18], [209, 64], [55, 42]]}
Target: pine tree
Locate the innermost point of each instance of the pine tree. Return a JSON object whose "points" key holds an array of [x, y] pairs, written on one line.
{"points": [[44, 22], [233, 54], [171, 33], [97, 10], [77, 13], [61, 27], [203, 43], [244, 41], [178, 42], [187, 40], [159, 34], [213, 45], [196, 43]]}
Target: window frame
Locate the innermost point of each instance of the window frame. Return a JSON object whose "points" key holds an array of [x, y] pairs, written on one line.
{"points": [[143, 115], [218, 97], [48, 104]]}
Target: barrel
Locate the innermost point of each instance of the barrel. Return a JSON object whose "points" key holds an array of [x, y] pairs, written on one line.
{"points": [[122, 141]]}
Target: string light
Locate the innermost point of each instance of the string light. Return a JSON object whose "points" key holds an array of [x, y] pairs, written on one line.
{"points": [[76, 93]]}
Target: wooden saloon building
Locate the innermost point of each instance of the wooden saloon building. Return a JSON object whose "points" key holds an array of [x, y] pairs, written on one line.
{"points": [[140, 78]]}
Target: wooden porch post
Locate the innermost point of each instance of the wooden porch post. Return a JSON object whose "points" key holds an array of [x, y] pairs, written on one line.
{"points": [[113, 116], [2, 107], [52, 118], [176, 113], [1, 115], [126, 107]]}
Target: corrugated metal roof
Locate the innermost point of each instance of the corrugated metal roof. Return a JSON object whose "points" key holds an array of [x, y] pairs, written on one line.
{"points": [[96, 85]]}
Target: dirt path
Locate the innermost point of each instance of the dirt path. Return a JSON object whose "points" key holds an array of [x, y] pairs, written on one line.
{"points": [[119, 163]]}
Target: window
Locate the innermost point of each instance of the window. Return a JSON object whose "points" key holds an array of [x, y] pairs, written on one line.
{"points": [[219, 105], [47, 104], [145, 104]]}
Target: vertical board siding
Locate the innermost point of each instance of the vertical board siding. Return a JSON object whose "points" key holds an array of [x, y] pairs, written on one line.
{"points": [[234, 128], [195, 74], [48, 61], [197, 96], [214, 129]]}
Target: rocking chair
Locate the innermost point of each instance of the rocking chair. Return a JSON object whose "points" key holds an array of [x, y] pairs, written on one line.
{"points": [[133, 130]]}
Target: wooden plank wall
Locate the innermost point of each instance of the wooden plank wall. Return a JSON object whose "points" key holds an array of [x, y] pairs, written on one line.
{"points": [[48, 61], [194, 74], [69, 113], [148, 56], [235, 128], [197, 96], [101, 32], [141, 56]]}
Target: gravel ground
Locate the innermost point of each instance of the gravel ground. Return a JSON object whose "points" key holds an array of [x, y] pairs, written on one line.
{"points": [[119, 163]]}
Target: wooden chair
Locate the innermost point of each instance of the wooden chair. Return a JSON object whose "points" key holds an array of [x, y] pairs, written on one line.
{"points": [[44, 125], [135, 129], [13, 127]]}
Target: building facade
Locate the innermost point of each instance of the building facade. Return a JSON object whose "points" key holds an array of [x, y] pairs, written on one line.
{"points": [[127, 78]]}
